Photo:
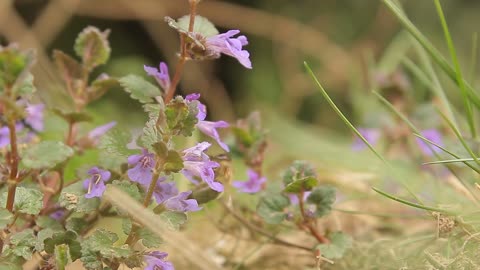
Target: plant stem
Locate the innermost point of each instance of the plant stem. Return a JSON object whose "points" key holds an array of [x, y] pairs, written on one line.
{"points": [[183, 54], [261, 231], [14, 159], [307, 222], [70, 135], [151, 188]]}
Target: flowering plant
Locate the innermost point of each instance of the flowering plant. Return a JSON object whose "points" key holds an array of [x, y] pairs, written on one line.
{"points": [[137, 179]]}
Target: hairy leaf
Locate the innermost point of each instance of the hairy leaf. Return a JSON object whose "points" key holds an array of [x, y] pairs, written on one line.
{"points": [[271, 207], [92, 46], [46, 154], [27, 200], [339, 243], [139, 88], [322, 198]]}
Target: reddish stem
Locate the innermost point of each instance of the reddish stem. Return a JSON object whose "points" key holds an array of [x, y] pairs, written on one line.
{"points": [[308, 223], [14, 159], [183, 54]]}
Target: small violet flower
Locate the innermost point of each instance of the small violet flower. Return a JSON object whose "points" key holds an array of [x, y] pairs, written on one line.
{"points": [[294, 197], [99, 131], [5, 135], [95, 185], [208, 128], [156, 261], [432, 135], [58, 214], [142, 171], [198, 164], [225, 43], [180, 203], [161, 75], [253, 185], [370, 134], [35, 116], [164, 190]]}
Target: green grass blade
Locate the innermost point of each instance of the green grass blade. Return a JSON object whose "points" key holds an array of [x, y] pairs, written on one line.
{"points": [[412, 126], [459, 137], [458, 72], [340, 114], [473, 64], [437, 87], [428, 208], [345, 120], [431, 50], [448, 161], [446, 151]]}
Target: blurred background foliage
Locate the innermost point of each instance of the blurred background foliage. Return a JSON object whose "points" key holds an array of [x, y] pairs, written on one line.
{"points": [[351, 45]]}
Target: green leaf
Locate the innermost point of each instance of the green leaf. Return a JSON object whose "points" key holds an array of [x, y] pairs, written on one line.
{"points": [[22, 243], [27, 200], [202, 193], [173, 162], [73, 198], [181, 117], [115, 142], [48, 222], [5, 218], [271, 208], [173, 220], [70, 70], [100, 86], [301, 185], [68, 238], [322, 198], [151, 135], [339, 243], [300, 171], [14, 66], [139, 88], [62, 256], [101, 245], [41, 236], [128, 187], [76, 224], [201, 26], [46, 154], [92, 46], [149, 239]]}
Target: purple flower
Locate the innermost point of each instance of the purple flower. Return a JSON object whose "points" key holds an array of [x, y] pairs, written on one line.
{"points": [[161, 75], [208, 128], [294, 197], [180, 203], [164, 191], [253, 185], [98, 132], [225, 43], [432, 135], [95, 185], [142, 171], [370, 134], [198, 164], [156, 261], [5, 135], [58, 214], [35, 116]]}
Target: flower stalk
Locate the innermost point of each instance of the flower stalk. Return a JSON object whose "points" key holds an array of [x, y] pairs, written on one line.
{"points": [[183, 54]]}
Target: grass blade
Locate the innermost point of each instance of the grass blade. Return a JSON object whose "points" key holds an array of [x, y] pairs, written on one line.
{"points": [[428, 208], [431, 50], [458, 72]]}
